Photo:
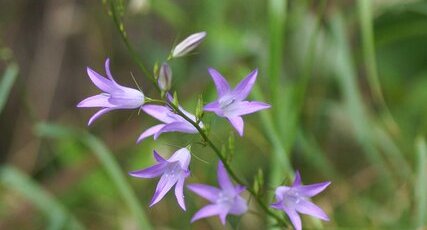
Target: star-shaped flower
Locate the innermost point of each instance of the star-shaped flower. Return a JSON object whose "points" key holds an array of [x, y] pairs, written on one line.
{"points": [[172, 171], [296, 199], [172, 121], [231, 103], [225, 200], [114, 96]]}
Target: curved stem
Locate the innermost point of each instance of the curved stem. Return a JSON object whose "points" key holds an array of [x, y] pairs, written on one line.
{"points": [[227, 165]]}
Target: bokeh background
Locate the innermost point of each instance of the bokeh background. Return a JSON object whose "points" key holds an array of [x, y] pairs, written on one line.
{"points": [[347, 80]]}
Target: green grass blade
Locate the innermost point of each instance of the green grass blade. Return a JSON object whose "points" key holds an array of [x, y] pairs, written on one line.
{"points": [[7, 82], [108, 162], [345, 74], [421, 184], [365, 17], [59, 217]]}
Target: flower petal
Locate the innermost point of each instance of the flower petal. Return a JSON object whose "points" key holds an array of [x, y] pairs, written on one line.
{"points": [[127, 98], [243, 89], [207, 211], [206, 191], [150, 172], [179, 192], [164, 185], [294, 217], [239, 206], [240, 108], [101, 82], [149, 132], [183, 127], [223, 179], [237, 123], [100, 100], [183, 156], [99, 113], [306, 207], [158, 157], [108, 72], [221, 84], [161, 113], [213, 107], [312, 189], [297, 180]]}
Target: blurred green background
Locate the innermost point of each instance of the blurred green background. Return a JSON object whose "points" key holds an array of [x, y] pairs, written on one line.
{"points": [[347, 80]]}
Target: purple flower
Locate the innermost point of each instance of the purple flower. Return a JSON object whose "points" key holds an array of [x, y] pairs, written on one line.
{"points": [[230, 102], [173, 171], [296, 199], [225, 200], [172, 121], [114, 96]]}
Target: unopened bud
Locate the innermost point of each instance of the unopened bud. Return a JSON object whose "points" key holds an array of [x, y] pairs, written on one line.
{"points": [[189, 44], [165, 77]]}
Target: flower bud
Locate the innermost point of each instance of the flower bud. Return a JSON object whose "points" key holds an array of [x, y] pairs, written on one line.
{"points": [[189, 44], [165, 77]]}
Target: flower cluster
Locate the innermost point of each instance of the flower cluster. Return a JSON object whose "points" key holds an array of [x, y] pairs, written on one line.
{"points": [[231, 104]]}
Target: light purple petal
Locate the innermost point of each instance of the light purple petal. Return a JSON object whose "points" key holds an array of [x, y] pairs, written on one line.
{"points": [[223, 179], [107, 71], [149, 132], [98, 114], [179, 192], [207, 211], [312, 189], [127, 98], [294, 217], [150, 172], [101, 82], [244, 107], [100, 100], [297, 180], [158, 157], [183, 156], [239, 206], [223, 215], [306, 207], [208, 192], [183, 127], [164, 185], [161, 113], [213, 107], [237, 123], [243, 89], [277, 205], [280, 191], [221, 84]]}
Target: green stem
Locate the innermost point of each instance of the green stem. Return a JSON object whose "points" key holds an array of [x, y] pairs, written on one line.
{"points": [[227, 165], [136, 58]]}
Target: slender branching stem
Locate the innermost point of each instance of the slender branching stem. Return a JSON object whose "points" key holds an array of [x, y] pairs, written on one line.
{"points": [[227, 165], [136, 58]]}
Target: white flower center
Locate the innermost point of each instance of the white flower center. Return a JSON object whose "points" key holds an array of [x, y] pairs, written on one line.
{"points": [[291, 198], [225, 199], [173, 170]]}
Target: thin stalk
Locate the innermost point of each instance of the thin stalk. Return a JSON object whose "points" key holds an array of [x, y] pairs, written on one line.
{"points": [[136, 58], [227, 165]]}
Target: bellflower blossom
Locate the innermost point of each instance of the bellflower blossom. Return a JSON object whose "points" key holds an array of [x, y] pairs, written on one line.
{"points": [[172, 121], [230, 103], [172, 171], [114, 96], [295, 199], [225, 200]]}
